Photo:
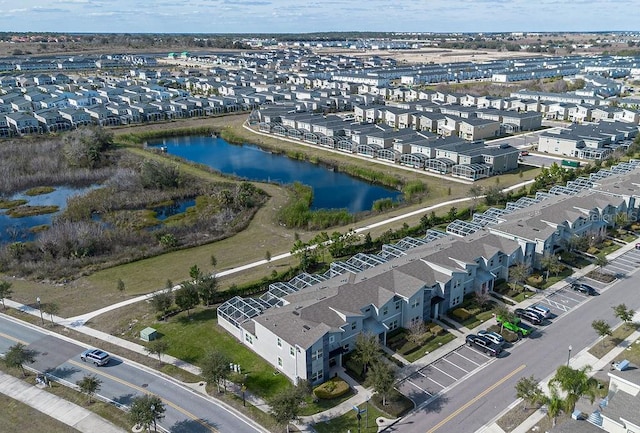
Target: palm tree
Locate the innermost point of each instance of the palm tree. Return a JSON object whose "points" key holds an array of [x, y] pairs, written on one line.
{"points": [[575, 384], [5, 291], [555, 404], [89, 384]]}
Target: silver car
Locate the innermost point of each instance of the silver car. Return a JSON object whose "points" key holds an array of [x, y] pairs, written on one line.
{"points": [[494, 337], [540, 309]]}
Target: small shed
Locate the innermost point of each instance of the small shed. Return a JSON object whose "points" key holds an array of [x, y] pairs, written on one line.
{"points": [[148, 334]]}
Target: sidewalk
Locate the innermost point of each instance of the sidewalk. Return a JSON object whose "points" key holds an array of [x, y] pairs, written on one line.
{"points": [[56, 407], [581, 359]]}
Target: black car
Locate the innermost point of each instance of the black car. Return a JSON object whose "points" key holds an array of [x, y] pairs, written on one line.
{"points": [[584, 288], [483, 344], [529, 316]]}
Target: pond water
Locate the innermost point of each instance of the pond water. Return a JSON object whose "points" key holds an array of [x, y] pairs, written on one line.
{"points": [[331, 189], [18, 229]]}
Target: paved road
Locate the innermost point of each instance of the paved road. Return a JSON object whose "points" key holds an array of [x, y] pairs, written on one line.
{"points": [[122, 380], [473, 402]]}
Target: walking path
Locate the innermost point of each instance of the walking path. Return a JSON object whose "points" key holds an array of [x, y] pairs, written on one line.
{"points": [[56, 407], [362, 395]]}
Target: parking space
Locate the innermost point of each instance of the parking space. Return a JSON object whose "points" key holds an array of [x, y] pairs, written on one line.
{"points": [[444, 372], [452, 367], [624, 265]]}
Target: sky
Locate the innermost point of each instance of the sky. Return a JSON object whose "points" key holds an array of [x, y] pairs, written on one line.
{"points": [[303, 16]]}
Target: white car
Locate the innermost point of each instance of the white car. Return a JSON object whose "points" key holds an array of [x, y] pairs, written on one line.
{"points": [[540, 309], [494, 337]]}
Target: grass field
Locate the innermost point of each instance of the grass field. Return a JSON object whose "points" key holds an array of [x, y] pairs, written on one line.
{"points": [[99, 289], [28, 420]]}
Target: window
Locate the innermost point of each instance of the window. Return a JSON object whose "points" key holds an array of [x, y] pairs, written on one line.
{"points": [[385, 311], [393, 325], [248, 338], [332, 339], [279, 362], [292, 351], [415, 303], [279, 342], [317, 375], [354, 325], [397, 305], [316, 355]]}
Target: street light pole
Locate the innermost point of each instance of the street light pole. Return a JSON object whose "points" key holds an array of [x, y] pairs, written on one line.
{"points": [[569, 357], [40, 308]]}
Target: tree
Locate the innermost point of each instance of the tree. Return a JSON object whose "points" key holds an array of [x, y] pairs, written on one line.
{"points": [[5, 291], [551, 263], [623, 313], [601, 261], [482, 298], [602, 328], [518, 274], [528, 389], [89, 385], [267, 256], [120, 286], [451, 215], [187, 297], [195, 273], [51, 309], [157, 347], [475, 191], [162, 301], [381, 378], [146, 410], [367, 350], [207, 289], [285, 406], [18, 355], [505, 314], [214, 261], [215, 368], [554, 404], [416, 332], [575, 384]]}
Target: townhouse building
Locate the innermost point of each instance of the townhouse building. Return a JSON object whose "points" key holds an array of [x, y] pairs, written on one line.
{"points": [[304, 327]]}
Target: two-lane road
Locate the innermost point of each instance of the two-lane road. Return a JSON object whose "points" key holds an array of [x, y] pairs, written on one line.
{"points": [[122, 380], [469, 405]]}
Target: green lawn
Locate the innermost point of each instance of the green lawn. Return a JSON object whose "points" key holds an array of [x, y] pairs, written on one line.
{"points": [[430, 346], [349, 421], [189, 338], [321, 405]]}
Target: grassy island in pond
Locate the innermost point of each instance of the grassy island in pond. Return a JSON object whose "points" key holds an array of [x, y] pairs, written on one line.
{"points": [[26, 211]]}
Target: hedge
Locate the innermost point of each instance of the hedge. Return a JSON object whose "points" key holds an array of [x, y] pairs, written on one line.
{"points": [[461, 313], [331, 389]]}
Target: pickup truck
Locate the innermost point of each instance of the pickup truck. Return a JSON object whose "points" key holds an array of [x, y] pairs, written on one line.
{"points": [[516, 326]]}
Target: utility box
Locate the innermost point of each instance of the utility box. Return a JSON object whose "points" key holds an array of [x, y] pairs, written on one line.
{"points": [[148, 334]]}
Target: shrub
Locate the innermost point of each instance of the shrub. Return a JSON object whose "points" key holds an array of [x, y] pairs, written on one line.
{"points": [[436, 330], [509, 336], [331, 389], [593, 250], [461, 313]]}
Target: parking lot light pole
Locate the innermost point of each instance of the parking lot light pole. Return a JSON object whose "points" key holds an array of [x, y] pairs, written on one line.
{"points": [[569, 357], [40, 308]]}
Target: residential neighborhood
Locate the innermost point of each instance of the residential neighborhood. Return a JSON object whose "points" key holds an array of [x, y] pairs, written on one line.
{"points": [[500, 298]]}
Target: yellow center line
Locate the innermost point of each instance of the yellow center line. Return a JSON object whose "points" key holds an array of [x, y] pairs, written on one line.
{"points": [[9, 337], [144, 391], [476, 398]]}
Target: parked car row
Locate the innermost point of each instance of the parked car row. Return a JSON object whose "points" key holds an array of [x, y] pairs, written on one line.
{"points": [[491, 342]]}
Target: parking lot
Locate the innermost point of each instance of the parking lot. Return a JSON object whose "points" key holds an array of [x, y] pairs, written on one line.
{"points": [[435, 377], [624, 265], [454, 366]]}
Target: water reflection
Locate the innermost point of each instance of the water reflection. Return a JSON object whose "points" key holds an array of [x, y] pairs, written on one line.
{"points": [[19, 229], [331, 189]]}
